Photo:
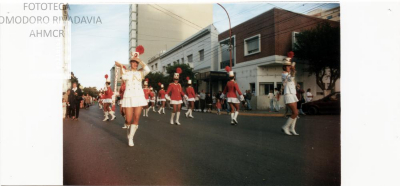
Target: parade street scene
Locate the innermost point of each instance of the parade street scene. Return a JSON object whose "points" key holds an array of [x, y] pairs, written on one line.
{"points": [[202, 94]]}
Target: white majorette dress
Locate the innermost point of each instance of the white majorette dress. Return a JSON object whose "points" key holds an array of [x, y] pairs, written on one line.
{"points": [[133, 95], [289, 88]]}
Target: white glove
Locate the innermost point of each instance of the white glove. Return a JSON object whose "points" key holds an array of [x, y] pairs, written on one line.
{"points": [[186, 97], [167, 97], [241, 97], [222, 96]]}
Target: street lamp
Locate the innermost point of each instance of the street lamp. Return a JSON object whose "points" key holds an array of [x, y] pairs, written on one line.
{"points": [[230, 37]]}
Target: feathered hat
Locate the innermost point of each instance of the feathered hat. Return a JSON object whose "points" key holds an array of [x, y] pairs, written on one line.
{"points": [[146, 81], [287, 60], [189, 80], [161, 85], [178, 71], [135, 55], [229, 70]]}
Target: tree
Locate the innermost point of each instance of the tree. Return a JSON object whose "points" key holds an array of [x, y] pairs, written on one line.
{"points": [[155, 78], [92, 91], [187, 71], [320, 47]]}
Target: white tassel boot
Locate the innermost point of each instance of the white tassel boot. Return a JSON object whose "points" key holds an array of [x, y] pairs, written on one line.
{"points": [[235, 117], [106, 116], [112, 115], [177, 118], [159, 110], [132, 131], [172, 118], [190, 114], [285, 127], [163, 110], [232, 116], [292, 126]]}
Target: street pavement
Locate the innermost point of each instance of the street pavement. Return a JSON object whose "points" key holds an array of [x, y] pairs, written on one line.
{"points": [[206, 150]]}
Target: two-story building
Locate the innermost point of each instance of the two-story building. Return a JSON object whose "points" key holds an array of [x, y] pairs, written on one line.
{"points": [[259, 46]]}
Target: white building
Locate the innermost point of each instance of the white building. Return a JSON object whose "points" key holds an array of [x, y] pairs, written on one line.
{"points": [[199, 51]]}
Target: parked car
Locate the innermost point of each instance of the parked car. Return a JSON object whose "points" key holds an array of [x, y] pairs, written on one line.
{"points": [[327, 105]]}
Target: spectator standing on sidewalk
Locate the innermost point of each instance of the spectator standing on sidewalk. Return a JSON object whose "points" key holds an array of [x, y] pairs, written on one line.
{"points": [[249, 95], [309, 95], [208, 102], [271, 101], [277, 95], [202, 101], [67, 114], [300, 97]]}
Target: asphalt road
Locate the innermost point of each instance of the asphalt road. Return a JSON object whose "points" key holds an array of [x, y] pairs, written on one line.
{"points": [[205, 150]]}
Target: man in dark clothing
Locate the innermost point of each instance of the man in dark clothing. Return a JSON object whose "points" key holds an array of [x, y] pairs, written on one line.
{"points": [[248, 98], [299, 95], [74, 100]]}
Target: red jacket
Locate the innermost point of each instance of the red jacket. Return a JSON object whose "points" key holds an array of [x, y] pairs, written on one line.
{"points": [[108, 94], [190, 92], [176, 91], [161, 94], [122, 90], [146, 92], [231, 87]]}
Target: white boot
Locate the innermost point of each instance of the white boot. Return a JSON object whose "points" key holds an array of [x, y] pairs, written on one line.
{"points": [[128, 130], [235, 117], [124, 127], [292, 126], [112, 115], [163, 110], [232, 117], [285, 127], [132, 131], [187, 113], [144, 112], [106, 116], [147, 112], [154, 109], [159, 110], [172, 118], [177, 118], [190, 114]]}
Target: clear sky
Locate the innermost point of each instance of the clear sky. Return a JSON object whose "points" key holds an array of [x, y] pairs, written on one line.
{"points": [[95, 47]]}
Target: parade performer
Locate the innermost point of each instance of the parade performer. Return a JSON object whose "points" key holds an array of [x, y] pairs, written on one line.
{"points": [[290, 97], [191, 96], [161, 97], [108, 93], [152, 97], [176, 96], [101, 95], [146, 92], [134, 98], [230, 89]]}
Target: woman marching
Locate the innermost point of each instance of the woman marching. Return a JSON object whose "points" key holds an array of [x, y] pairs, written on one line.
{"points": [[161, 97], [152, 97], [231, 88], [134, 98], [176, 96], [108, 100], [191, 95], [146, 93], [290, 98]]}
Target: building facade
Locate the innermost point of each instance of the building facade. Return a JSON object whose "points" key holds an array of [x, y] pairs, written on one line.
{"points": [[159, 27], [260, 44], [199, 51], [332, 14]]}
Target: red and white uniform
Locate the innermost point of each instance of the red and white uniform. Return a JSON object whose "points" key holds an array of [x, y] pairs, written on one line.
{"points": [[230, 91], [161, 95], [146, 92], [108, 95], [190, 93], [152, 97], [176, 93]]}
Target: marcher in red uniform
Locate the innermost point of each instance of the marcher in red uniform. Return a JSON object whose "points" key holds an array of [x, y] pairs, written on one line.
{"points": [[191, 96], [146, 92], [133, 95], [230, 89], [108, 100], [161, 97], [152, 97], [176, 96]]}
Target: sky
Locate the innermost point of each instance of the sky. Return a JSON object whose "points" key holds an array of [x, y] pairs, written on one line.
{"points": [[95, 47]]}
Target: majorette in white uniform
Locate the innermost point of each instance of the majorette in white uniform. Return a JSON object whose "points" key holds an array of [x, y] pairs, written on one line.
{"points": [[133, 95], [289, 89]]}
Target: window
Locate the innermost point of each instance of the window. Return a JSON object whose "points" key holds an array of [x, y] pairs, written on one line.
{"points": [[253, 88], [177, 61], [225, 54], [329, 17], [183, 60], [152, 67], [164, 68], [190, 58], [174, 62], [294, 41], [169, 65], [279, 86], [252, 45], [201, 55], [156, 66], [265, 88]]}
